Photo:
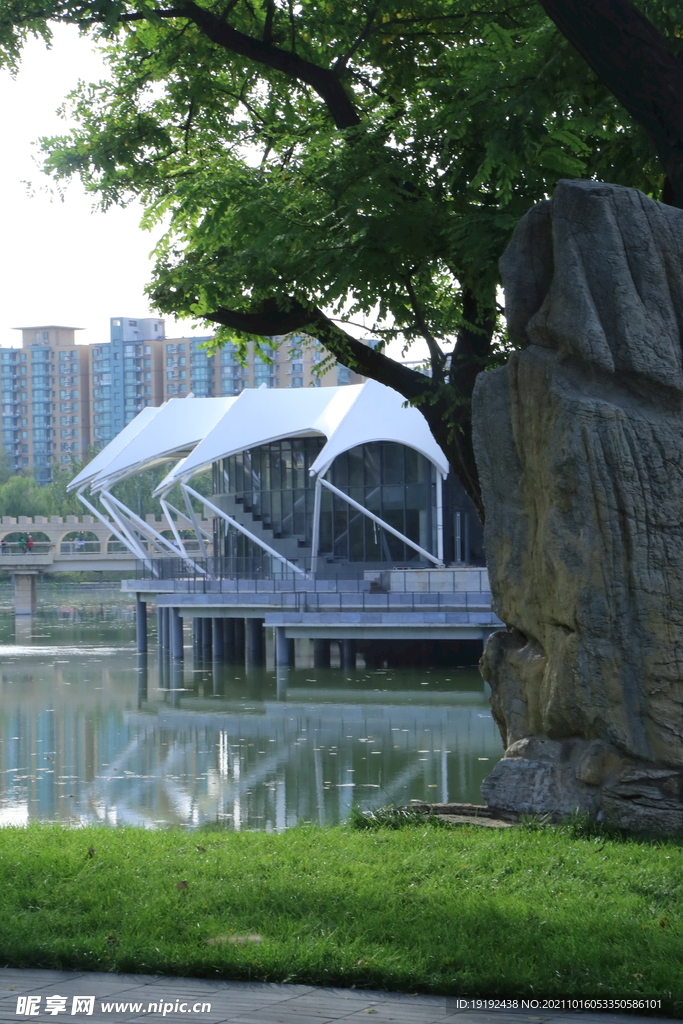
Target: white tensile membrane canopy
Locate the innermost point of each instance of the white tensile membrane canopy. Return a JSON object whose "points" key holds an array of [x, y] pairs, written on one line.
{"points": [[346, 416], [175, 430], [200, 431], [114, 448], [154, 436]]}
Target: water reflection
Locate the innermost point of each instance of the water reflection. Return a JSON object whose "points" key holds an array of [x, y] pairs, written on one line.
{"points": [[92, 732]]}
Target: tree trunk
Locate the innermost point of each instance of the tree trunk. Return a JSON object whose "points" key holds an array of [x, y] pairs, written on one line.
{"points": [[632, 59]]}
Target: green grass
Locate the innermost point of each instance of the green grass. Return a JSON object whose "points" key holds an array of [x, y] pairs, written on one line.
{"points": [[420, 908]]}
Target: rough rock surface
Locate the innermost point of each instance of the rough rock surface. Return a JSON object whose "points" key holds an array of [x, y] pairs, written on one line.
{"points": [[579, 442]]}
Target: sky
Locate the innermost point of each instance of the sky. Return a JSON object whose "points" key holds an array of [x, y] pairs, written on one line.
{"points": [[61, 262]]}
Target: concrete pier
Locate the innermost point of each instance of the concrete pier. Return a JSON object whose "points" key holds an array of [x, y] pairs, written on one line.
{"points": [[207, 640], [196, 641], [218, 641], [25, 593], [141, 624], [255, 648], [282, 648], [228, 641], [348, 654], [176, 634], [321, 654], [239, 641]]}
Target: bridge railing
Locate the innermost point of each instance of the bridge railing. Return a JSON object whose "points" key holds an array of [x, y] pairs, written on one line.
{"points": [[80, 547], [39, 547]]}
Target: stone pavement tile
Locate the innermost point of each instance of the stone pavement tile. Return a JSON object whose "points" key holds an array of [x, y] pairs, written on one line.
{"points": [[390, 1013], [512, 1016], [286, 1013], [593, 1017]]}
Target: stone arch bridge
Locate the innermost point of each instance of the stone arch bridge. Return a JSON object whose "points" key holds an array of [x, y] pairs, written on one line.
{"points": [[101, 552]]}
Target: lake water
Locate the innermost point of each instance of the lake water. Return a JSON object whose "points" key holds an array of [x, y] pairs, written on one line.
{"points": [[89, 732]]}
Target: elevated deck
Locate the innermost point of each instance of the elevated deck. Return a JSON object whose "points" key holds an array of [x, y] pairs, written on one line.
{"points": [[434, 604]]}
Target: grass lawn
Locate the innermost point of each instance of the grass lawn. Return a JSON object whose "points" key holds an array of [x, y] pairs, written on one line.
{"points": [[423, 908]]}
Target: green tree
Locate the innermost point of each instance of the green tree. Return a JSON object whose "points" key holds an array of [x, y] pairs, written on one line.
{"points": [[6, 465], [22, 496], [322, 162]]}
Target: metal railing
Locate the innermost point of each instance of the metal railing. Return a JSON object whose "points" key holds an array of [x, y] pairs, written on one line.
{"points": [[257, 567], [14, 547], [351, 588]]}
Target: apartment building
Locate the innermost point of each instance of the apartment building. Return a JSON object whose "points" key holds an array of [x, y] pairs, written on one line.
{"points": [[126, 374], [293, 363], [45, 400], [59, 398]]}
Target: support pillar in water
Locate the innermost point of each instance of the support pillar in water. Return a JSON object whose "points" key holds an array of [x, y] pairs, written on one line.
{"points": [[196, 641], [321, 654], [282, 650], [255, 648], [141, 624], [218, 641], [239, 641], [348, 654], [25, 593], [207, 640], [176, 633], [229, 641]]}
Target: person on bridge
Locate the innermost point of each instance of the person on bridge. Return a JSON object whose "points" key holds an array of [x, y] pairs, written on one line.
{"points": [[3, 546], [29, 543]]}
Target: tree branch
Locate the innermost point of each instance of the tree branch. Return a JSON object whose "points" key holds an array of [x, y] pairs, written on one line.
{"points": [[344, 347], [342, 61], [435, 350], [323, 80], [632, 59]]}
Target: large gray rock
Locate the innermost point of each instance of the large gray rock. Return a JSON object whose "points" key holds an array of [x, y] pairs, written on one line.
{"points": [[579, 443]]}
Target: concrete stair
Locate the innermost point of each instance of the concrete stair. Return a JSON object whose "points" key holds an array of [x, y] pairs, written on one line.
{"points": [[294, 548]]}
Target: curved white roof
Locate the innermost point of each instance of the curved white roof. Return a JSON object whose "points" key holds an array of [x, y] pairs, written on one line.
{"points": [[115, 446], [380, 414], [178, 427], [345, 416], [264, 415], [201, 431]]}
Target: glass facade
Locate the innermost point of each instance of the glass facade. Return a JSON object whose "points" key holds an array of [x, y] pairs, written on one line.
{"points": [[271, 485]]}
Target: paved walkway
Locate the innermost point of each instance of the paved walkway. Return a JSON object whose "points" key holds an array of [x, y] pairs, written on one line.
{"points": [[42, 996]]}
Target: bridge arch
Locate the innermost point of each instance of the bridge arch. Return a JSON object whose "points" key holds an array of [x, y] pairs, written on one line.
{"points": [[80, 541]]}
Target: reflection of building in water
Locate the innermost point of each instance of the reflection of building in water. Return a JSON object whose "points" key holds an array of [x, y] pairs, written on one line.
{"points": [[261, 764]]}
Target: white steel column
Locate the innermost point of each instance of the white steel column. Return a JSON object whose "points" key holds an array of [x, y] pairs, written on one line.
{"points": [[193, 516], [105, 522], [439, 516], [242, 529], [131, 541], [315, 539], [380, 522], [144, 528], [171, 523]]}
